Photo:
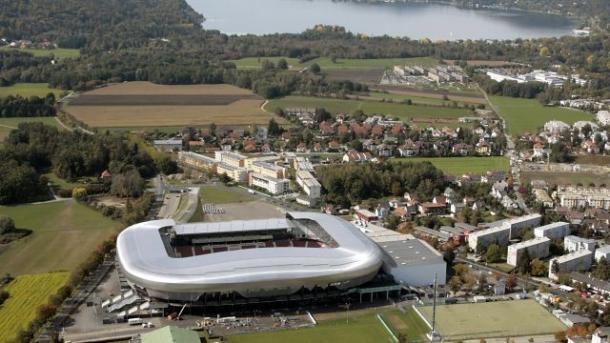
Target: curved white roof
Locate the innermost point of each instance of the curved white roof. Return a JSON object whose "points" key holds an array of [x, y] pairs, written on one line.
{"points": [[145, 261]]}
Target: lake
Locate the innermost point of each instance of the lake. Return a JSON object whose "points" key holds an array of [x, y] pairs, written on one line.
{"points": [[406, 20]]}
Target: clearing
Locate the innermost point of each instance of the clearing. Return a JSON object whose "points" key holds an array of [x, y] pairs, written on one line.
{"points": [[221, 194], [29, 89], [402, 111], [527, 115], [147, 105], [63, 235], [494, 319], [27, 293], [457, 166], [57, 53]]}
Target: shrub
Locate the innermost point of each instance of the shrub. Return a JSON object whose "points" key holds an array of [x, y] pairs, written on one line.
{"points": [[7, 224], [79, 193]]}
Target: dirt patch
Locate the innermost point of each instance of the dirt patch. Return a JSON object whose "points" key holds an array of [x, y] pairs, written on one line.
{"points": [[151, 100], [148, 88], [457, 96], [360, 75]]}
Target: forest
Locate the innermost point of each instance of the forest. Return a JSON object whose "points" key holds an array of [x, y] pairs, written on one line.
{"points": [[34, 149], [349, 184], [17, 106]]}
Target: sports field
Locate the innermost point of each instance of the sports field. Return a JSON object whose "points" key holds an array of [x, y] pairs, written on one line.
{"points": [[27, 293], [527, 115], [494, 319], [57, 53], [63, 235], [147, 105], [370, 107], [457, 166], [29, 89], [221, 194], [8, 124], [365, 329], [340, 63]]}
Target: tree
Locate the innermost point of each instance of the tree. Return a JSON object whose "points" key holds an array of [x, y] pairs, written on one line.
{"points": [[282, 64], [493, 254], [315, 68], [455, 284], [523, 265], [7, 224], [127, 184], [166, 165], [602, 269], [79, 193], [511, 281], [393, 222], [537, 268]]}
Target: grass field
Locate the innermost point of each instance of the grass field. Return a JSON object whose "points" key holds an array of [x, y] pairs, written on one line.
{"points": [[402, 111], [340, 63], [29, 89], [146, 105], [221, 194], [363, 329], [527, 115], [495, 319], [27, 293], [64, 234], [57, 53], [457, 166], [8, 124]]}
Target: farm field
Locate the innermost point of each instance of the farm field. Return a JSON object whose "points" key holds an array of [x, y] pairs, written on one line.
{"points": [[63, 235], [402, 111], [527, 115], [58, 53], [340, 63], [146, 105], [29, 89], [8, 124], [457, 166], [366, 328], [517, 318], [27, 293]]}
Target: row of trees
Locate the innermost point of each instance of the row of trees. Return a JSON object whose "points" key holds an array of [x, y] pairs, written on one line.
{"points": [[17, 106]]}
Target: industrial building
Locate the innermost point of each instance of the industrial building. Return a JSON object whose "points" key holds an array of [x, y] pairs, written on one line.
{"points": [[574, 243], [271, 185], [413, 262], [536, 248], [482, 239], [580, 260], [556, 230]]}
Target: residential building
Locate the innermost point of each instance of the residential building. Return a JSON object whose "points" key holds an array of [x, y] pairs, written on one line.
{"points": [[482, 239], [430, 208], [556, 230], [574, 243], [543, 197], [197, 161], [267, 169], [603, 117], [358, 157], [235, 173], [309, 184], [602, 252], [270, 184], [597, 197], [518, 224], [536, 248], [168, 144], [580, 260], [230, 158], [601, 335], [366, 215]]}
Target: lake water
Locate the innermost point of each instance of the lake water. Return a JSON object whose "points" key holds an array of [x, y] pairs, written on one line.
{"points": [[411, 20]]}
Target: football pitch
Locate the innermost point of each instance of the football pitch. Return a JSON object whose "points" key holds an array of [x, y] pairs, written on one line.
{"points": [[493, 320]]}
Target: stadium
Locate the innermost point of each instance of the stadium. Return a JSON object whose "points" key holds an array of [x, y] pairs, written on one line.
{"points": [[199, 262]]}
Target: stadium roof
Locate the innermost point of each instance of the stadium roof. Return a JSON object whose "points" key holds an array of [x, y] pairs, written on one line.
{"points": [[232, 226]]}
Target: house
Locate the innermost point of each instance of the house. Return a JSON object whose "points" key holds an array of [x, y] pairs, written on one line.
{"points": [[498, 190], [357, 157], [430, 208], [106, 175], [461, 149], [410, 148], [366, 215], [483, 148]]}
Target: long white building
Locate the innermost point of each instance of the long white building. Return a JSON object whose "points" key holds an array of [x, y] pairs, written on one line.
{"points": [[482, 239], [556, 230], [574, 243], [536, 248], [580, 260], [309, 184], [272, 185]]}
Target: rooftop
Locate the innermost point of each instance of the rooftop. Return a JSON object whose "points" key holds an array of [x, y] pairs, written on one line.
{"points": [[411, 252]]}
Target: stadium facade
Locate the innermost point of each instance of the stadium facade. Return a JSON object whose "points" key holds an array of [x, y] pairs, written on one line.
{"points": [[254, 258]]}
